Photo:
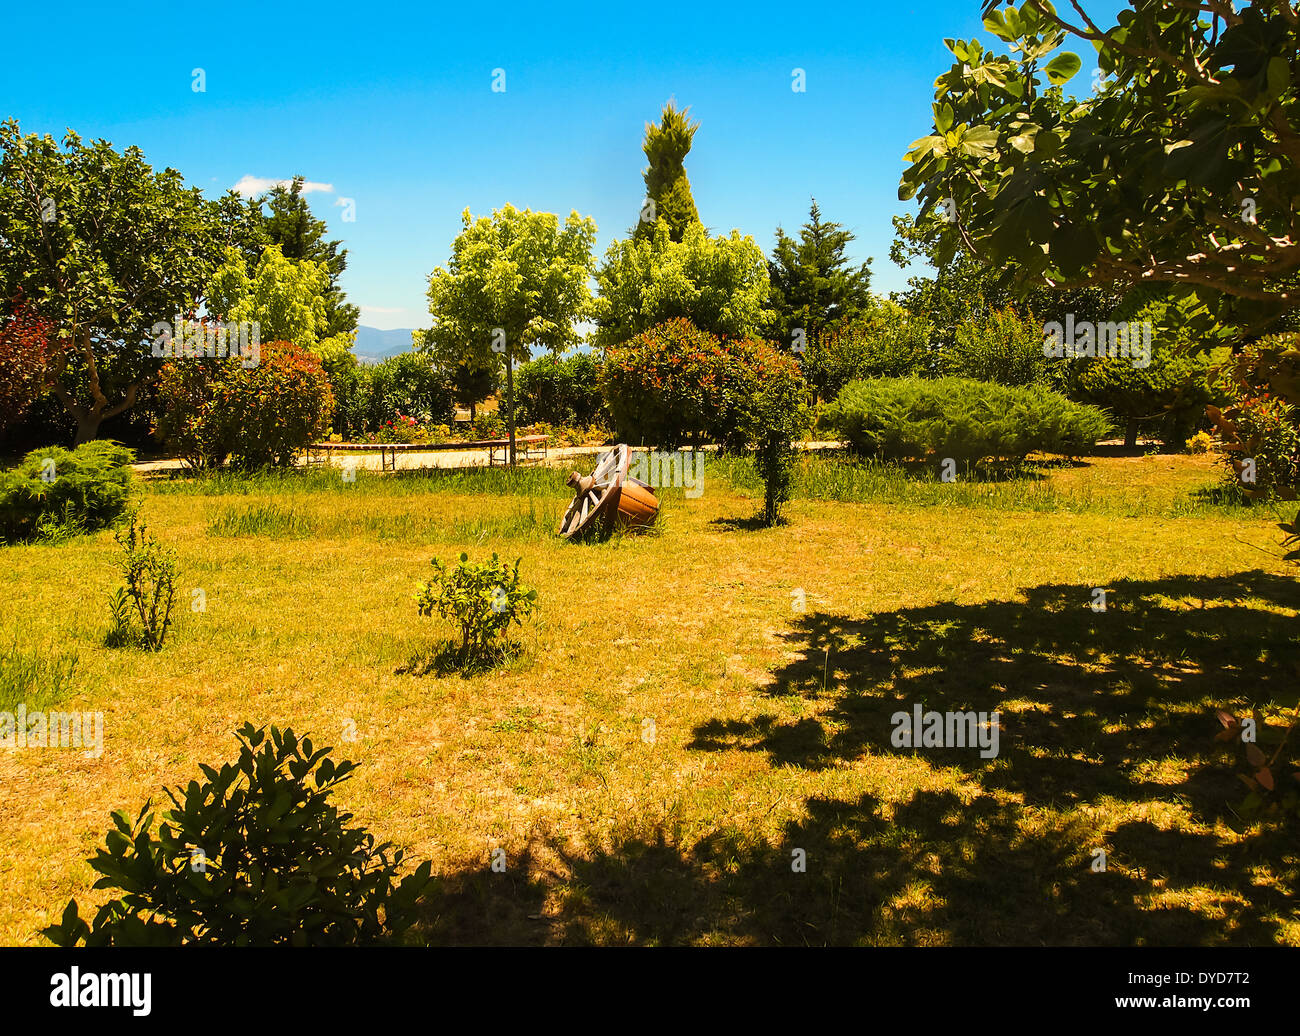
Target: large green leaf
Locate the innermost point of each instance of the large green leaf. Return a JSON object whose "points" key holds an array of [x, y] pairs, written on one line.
{"points": [[1062, 68]]}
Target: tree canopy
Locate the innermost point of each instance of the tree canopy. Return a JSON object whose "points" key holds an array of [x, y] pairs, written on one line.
{"points": [[1181, 168], [102, 247], [813, 285], [666, 186], [720, 284], [515, 280], [300, 235], [286, 298]]}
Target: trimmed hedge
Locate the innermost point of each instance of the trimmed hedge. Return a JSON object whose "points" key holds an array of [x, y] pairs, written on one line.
{"points": [[83, 489], [559, 392], [911, 418]]}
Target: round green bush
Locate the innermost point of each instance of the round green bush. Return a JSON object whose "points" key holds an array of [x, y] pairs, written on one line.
{"points": [[675, 385], [80, 490], [262, 415], [967, 420]]}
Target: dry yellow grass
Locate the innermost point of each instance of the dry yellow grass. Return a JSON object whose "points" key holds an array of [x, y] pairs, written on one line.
{"points": [[771, 727]]}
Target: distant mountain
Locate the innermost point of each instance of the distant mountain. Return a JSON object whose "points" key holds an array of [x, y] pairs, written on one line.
{"points": [[373, 345]]}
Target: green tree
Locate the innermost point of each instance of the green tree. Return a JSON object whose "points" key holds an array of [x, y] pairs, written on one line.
{"points": [[472, 385], [1166, 390], [719, 284], [1180, 170], [668, 191], [813, 285], [963, 288], [300, 235], [286, 298], [103, 248], [888, 342], [515, 280]]}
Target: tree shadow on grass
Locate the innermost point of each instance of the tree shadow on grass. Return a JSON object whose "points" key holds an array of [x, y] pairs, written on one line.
{"points": [[754, 523], [1107, 744]]}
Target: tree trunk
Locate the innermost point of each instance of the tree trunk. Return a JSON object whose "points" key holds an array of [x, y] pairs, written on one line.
{"points": [[87, 428], [1131, 434], [510, 405]]}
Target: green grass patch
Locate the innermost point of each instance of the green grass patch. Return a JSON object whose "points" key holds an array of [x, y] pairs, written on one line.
{"points": [[1031, 487], [37, 678]]}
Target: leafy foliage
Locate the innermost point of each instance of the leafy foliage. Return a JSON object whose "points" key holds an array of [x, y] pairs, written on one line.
{"points": [[88, 487], [286, 298], [142, 607], [911, 418], [962, 285], [1180, 170], [25, 353], [300, 235], [255, 855], [666, 185], [720, 284], [998, 345], [1273, 781], [774, 416], [561, 392], [482, 597], [666, 387], [515, 280], [889, 342], [1261, 421], [103, 248], [216, 409], [813, 287]]}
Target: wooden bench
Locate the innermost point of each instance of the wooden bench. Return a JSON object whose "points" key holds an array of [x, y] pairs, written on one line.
{"points": [[527, 447]]}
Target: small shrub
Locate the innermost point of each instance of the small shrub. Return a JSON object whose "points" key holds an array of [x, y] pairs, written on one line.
{"points": [[676, 385], [1260, 424], [910, 418], [255, 855], [1261, 446], [1166, 397], [1273, 780], [489, 426], [149, 569], [26, 352], [773, 416], [1201, 442], [997, 345], [407, 385], [79, 490], [482, 598]]}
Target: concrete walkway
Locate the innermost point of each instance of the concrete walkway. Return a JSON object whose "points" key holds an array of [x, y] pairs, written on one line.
{"points": [[410, 460]]}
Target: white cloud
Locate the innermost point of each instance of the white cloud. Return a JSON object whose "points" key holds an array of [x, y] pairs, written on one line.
{"points": [[251, 186], [380, 309]]}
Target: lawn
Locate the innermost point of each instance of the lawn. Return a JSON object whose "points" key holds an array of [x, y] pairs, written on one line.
{"points": [[770, 726]]}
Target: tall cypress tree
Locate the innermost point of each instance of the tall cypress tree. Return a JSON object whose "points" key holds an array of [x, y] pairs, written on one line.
{"points": [[813, 286], [666, 185]]}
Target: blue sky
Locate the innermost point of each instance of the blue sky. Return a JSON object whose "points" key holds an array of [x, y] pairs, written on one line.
{"points": [[391, 105]]}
